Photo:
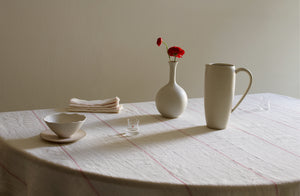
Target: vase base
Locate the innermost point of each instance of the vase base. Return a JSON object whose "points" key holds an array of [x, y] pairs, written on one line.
{"points": [[169, 116]]}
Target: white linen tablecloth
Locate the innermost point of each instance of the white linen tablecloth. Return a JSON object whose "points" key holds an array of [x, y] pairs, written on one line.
{"points": [[258, 154]]}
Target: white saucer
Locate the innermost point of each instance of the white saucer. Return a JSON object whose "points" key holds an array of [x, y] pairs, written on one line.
{"points": [[50, 136]]}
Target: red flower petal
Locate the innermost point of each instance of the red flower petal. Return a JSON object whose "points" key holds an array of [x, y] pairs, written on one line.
{"points": [[159, 41], [176, 51]]}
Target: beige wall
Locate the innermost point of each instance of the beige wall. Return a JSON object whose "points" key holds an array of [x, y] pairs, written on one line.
{"points": [[52, 50]]}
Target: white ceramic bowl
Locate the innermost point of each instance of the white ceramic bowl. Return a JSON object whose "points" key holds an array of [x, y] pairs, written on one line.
{"points": [[64, 124]]}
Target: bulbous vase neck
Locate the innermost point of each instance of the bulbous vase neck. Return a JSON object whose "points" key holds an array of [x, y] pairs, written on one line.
{"points": [[173, 66]]}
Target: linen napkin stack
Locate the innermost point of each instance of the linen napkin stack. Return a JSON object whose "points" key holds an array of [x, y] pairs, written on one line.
{"points": [[111, 105]]}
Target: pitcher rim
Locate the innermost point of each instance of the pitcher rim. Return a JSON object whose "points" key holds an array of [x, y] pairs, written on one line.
{"points": [[220, 64]]}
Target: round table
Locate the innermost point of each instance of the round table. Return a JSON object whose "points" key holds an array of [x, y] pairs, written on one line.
{"points": [[257, 154]]}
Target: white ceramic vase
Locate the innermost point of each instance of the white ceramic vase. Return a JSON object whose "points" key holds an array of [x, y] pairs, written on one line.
{"points": [[219, 92], [171, 100]]}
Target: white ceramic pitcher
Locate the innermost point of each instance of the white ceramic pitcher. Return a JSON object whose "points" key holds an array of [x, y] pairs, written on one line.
{"points": [[219, 92]]}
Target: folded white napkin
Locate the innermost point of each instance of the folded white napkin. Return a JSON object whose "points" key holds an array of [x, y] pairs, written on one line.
{"points": [[111, 105], [95, 102]]}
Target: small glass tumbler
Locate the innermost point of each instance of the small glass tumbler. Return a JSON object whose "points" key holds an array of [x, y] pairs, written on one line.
{"points": [[264, 104], [133, 125]]}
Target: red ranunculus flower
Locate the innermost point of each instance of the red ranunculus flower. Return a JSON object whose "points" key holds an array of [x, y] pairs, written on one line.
{"points": [[176, 52], [159, 41]]}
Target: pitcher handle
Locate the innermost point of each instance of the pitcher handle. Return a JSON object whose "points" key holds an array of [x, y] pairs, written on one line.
{"points": [[247, 90]]}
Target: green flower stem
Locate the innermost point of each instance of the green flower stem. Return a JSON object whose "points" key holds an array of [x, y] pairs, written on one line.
{"points": [[167, 49]]}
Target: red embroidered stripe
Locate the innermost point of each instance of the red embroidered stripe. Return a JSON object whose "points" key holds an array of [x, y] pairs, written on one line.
{"points": [[148, 154], [181, 131], [266, 141], [12, 174], [261, 137]]}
